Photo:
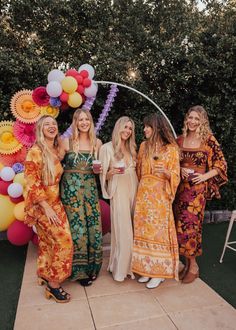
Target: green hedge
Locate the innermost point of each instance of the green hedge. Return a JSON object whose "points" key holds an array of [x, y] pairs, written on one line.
{"points": [[181, 57]]}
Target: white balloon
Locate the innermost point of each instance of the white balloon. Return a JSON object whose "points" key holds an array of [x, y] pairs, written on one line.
{"points": [[15, 190], [56, 75], [91, 90], [7, 173], [88, 68], [34, 229], [54, 88]]}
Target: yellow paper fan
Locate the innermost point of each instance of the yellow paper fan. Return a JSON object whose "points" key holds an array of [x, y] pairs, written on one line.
{"points": [[24, 108], [50, 111], [8, 143]]}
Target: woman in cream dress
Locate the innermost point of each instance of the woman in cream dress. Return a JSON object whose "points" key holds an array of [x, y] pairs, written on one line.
{"points": [[120, 186]]}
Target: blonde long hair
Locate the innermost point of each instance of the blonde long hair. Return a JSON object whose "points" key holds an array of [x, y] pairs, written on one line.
{"points": [[161, 132], [203, 130], [48, 170], [75, 131], [130, 144]]}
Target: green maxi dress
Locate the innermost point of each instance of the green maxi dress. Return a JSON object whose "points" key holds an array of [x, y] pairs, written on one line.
{"points": [[79, 195]]}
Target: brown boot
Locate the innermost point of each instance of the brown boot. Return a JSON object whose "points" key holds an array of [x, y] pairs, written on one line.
{"points": [[190, 277], [183, 272]]}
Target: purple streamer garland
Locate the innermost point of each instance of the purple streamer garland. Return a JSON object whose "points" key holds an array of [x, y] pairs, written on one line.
{"points": [[107, 107]]}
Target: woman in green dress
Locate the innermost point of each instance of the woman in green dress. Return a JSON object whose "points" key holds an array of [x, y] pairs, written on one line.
{"points": [[79, 196]]}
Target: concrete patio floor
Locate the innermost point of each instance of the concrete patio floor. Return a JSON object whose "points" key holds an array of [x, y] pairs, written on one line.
{"points": [[128, 305]]}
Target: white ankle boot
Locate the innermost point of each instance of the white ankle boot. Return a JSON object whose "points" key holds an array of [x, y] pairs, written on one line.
{"points": [[143, 279], [154, 282]]}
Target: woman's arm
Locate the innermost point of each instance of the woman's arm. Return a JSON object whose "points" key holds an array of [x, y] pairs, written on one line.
{"points": [[63, 147]]}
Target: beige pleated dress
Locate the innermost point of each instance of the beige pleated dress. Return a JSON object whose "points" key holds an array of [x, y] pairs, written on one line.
{"points": [[121, 190]]}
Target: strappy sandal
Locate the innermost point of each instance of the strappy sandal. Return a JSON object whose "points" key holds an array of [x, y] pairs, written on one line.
{"points": [[58, 294], [85, 282], [42, 281], [93, 277]]}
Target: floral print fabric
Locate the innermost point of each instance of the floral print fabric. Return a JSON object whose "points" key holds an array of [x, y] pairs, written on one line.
{"points": [[79, 196], [155, 251], [190, 199], [55, 243]]}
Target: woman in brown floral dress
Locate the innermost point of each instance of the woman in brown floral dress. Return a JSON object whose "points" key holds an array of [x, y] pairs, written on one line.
{"points": [[203, 171]]}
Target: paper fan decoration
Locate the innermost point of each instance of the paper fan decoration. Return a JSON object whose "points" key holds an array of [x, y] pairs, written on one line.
{"points": [[25, 133], [17, 157], [40, 96], [8, 143], [50, 111], [24, 108]]}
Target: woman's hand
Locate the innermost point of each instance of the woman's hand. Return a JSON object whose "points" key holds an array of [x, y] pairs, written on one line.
{"points": [[184, 173], [159, 168], [199, 178], [112, 172], [50, 214]]}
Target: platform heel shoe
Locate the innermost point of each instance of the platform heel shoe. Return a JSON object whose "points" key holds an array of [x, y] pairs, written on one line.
{"points": [[58, 294]]}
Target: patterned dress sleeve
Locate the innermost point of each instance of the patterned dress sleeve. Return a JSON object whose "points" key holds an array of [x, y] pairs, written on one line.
{"points": [[139, 160], [35, 191], [174, 168], [216, 161]]}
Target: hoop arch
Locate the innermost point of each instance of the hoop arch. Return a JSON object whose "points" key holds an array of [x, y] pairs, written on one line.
{"points": [[140, 93]]}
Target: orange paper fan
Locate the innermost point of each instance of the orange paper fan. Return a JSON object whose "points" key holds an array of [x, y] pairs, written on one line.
{"points": [[8, 143], [24, 108], [17, 157]]}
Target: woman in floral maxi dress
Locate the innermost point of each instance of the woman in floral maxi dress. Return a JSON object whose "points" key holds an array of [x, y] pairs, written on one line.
{"points": [[44, 210], [203, 171], [79, 195], [155, 250]]}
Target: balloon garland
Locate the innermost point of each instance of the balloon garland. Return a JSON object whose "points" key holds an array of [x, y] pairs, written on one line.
{"points": [[63, 91]]}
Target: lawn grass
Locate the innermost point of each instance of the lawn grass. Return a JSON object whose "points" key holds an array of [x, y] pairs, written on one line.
{"points": [[220, 277], [12, 261]]}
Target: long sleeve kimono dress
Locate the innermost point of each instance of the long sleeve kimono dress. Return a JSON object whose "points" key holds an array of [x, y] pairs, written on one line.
{"points": [[155, 251], [190, 201], [55, 244], [121, 190]]}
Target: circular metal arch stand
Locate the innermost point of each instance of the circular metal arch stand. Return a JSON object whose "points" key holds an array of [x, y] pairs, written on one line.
{"points": [[140, 93]]}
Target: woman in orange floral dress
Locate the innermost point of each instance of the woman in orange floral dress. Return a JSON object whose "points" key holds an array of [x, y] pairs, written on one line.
{"points": [[44, 209], [203, 170], [155, 250]]}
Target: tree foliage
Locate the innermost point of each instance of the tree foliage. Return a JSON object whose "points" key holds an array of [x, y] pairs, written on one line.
{"points": [[180, 55]]}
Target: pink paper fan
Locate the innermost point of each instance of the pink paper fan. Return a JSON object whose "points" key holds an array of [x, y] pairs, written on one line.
{"points": [[40, 96], [25, 133], [17, 157]]}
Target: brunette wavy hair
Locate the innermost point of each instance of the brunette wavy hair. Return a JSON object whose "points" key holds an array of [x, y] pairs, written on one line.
{"points": [[161, 132]]}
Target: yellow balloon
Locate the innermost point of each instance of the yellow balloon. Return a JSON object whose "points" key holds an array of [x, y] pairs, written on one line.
{"points": [[69, 84], [7, 214], [19, 178], [19, 211], [1, 166], [75, 99]]}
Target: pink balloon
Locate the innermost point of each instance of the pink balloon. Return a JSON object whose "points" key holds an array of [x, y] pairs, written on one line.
{"points": [[105, 215], [18, 233], [71, 72], [35, 240], [3, 186], [64, 97], [17, 200]]}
